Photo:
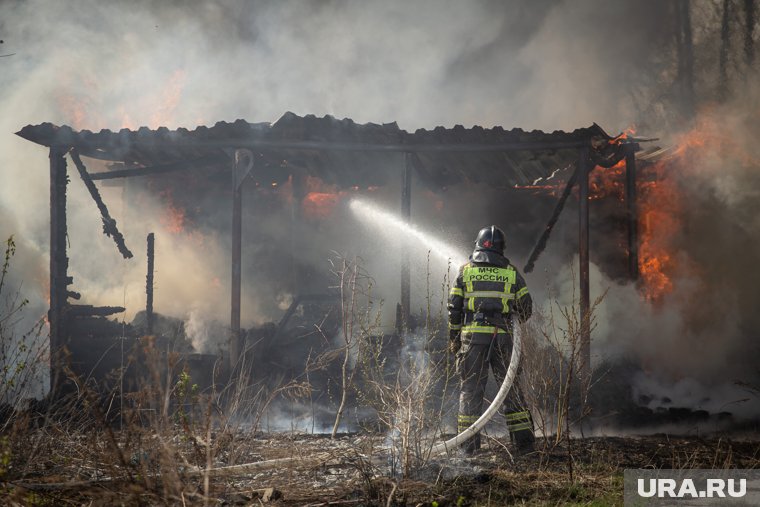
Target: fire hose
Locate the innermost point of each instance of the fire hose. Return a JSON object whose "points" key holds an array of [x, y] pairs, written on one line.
{"points": [[509, 379]]}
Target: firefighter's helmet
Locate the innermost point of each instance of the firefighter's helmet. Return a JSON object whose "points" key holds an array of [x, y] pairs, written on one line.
{"points": [[490, 239]]}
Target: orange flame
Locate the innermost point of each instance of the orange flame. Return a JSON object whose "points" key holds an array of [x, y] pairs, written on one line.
{"points": [[174, 219], [659, 203], [320, 204], [321, 199], [606, 182], [662, 202]]}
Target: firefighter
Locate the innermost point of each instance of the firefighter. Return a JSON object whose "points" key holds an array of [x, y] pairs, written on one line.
{"points": [[488, 290]]}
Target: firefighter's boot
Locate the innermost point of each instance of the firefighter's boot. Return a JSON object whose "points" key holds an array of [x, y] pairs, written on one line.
{"points": [[520, 426], [473, 444]]}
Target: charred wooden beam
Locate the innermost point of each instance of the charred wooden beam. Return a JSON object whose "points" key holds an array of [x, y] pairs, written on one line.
{"points": [[406, 215], [583, 255], [236, 282], [109, 224], [413, 148], [149, 286], [73, 295], [158, 169], [263, 145], [541, 243], [59, 262], [92, 311], [242, 165]]}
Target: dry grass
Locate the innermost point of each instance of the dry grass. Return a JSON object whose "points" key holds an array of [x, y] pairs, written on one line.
{"points": [[80, 468], [170, 443]]}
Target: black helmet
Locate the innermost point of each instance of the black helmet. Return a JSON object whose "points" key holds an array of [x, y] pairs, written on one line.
{"points": [[490, 239]]}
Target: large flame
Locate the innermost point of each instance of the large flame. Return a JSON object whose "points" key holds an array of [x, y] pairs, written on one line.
{"points": [[659, 203], [710, 144]]}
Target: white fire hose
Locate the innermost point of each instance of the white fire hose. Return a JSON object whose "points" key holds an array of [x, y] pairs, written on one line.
{"points": [[478, 425]]}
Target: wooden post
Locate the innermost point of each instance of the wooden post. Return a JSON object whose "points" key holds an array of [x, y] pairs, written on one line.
{"points": [[59, 263], [237, 244], [406, 213], [583, 255], [242, 164], [149, 286], [632, 213]]}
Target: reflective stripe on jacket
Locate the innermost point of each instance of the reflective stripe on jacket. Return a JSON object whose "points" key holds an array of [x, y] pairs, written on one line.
{"points": [[488, 288]]}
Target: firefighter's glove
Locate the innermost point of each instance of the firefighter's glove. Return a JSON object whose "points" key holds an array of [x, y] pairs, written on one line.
{"points": [[455, 342]]}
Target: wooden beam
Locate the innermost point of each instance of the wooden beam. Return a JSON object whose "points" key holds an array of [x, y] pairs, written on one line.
{"points": [[149, 285], [241, 167], [92, 311], [157, 169], [109, 224], [236, 280], [413, 148], [541, 243], [59, 263], [277, 146]]}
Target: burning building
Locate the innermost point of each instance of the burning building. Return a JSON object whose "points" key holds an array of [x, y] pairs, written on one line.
{"points": [[306, 167]]}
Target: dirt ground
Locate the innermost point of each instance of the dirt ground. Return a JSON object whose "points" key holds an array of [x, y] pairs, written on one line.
{"points": [[352, 469]]}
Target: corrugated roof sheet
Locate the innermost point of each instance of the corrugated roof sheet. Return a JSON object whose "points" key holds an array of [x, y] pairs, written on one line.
{"points": [[338, 151]]}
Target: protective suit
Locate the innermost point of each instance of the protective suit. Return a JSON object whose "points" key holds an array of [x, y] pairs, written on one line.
{"points": [[488, 294]]}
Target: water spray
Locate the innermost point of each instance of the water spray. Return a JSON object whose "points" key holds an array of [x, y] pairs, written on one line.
{"points": [[384, 220]]}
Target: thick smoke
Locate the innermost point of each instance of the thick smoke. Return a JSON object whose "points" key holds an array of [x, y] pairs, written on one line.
{"points": [[537, 65], [112, 65]]}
